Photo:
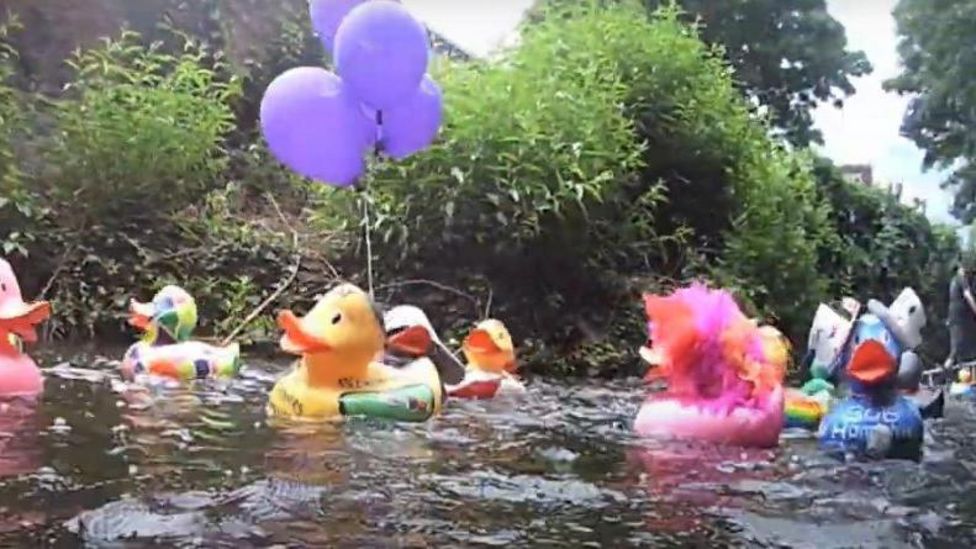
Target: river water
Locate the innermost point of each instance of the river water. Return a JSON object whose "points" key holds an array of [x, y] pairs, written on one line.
{"points": [[101, 464]]}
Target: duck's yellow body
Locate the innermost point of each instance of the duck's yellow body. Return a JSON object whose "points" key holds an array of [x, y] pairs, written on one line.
{"points": [[411, 393], [340, 341]]}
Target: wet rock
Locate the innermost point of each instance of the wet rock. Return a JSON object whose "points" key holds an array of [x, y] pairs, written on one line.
{"points": [[519, 489], [839, 534], [931, 522], [129, 519], [772, 491], [558, 454]]}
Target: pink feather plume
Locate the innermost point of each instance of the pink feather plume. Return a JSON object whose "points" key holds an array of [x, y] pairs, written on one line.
{"points": [[711, 352]]}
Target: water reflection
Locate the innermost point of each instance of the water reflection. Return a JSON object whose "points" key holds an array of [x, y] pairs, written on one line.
{"points": [[691, 482], [20, 427]]}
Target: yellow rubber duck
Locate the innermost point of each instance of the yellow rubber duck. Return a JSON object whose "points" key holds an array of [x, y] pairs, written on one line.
{"points": [[964, 384], [491, 363], [341, 342]]}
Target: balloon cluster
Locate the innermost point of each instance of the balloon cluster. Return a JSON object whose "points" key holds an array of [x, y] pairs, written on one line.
{"points": [[323, 125]]}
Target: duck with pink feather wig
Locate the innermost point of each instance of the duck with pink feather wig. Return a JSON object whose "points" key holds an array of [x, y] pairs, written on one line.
{"points": [[19, 375], [724, 373]]}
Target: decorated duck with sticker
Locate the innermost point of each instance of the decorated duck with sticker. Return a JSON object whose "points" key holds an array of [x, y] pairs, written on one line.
{"points": [[724, 373], [491, 363], [875, 420], [19, 374], [343, 371], [166, 350]]}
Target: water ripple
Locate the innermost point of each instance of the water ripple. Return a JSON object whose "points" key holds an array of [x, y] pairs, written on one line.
{"points": [[106, 463]]}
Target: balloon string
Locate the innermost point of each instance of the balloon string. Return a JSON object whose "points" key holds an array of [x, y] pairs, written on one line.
{"points": [[369, 245], [379, 131], [367, 228]]}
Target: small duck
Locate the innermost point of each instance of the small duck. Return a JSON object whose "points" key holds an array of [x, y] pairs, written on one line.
{"points": [[19, 374], [166, 350], [963, 387], [491, 363], [875, 420], [341, 370]]}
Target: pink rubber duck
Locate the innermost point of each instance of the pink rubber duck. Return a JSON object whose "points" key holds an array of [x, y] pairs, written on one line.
{"points": [[19, 374]]}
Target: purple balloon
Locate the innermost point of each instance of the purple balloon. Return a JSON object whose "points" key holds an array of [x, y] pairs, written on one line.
{"points": [[327, 15], [412, 125], [314, 127], [381, 52]]}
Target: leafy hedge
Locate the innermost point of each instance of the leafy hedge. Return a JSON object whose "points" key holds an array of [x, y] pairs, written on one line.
{"points": [[771, 253], [125, 184], [140, 131], [17, 206]]}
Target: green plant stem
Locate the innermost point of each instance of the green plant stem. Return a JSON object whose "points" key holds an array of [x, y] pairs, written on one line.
{"points": [[281, 287]]}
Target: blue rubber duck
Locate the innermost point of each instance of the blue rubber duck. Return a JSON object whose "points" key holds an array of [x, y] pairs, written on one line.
{"points": [[874, 420]]}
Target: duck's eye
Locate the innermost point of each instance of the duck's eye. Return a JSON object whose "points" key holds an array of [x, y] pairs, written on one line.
{"points": [[337, 318], [3, 287]]}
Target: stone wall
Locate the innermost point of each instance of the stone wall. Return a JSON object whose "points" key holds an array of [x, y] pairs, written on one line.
{"points": [[53, 29]]}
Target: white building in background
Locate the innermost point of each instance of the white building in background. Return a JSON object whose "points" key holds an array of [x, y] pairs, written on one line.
{"points": [[476, 29], [858, 173], [863, 174]]}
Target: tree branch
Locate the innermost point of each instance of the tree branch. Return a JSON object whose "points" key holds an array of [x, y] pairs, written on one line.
{"points": [[281, 287]]}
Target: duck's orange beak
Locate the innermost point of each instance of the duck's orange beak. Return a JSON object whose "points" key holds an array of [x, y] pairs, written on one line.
{"points": [[480, 341], [140, 314], [871, 363], [20, 319], [296, 339], [412, 341]]}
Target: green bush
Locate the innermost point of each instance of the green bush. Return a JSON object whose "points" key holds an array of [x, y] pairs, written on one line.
{"points": [[140, 133], [529, 148], [771, 253], [226, 253], [18, 209], [142, 194]]}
